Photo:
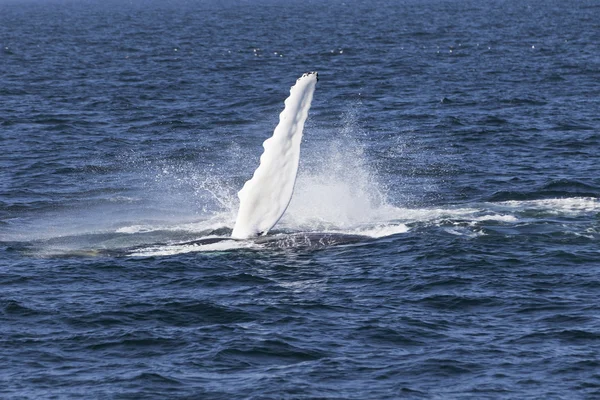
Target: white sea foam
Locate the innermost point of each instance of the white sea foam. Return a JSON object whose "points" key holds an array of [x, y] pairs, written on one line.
{"points": [[497, 217], [461, 231], [569, 205], [167, 250], [218, 221], [382, 230]]}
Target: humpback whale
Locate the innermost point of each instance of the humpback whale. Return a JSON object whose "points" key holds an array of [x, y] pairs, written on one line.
{"points": [[265, 197]]}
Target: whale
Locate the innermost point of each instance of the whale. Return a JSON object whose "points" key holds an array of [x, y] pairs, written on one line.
{"points": [[264, 197], [263, 200], [296, 241]]}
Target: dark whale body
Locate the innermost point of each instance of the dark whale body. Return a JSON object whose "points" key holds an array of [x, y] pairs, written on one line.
{"points": [[313, 240]]}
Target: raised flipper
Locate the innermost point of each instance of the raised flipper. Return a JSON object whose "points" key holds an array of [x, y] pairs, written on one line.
{"points": [[266, 196]]}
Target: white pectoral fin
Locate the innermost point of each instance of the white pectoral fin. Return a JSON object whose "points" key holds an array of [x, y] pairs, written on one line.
{"points": [[266, 196]]}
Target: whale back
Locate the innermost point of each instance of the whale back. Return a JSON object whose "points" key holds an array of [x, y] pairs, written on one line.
{"points": [[265, 197]]}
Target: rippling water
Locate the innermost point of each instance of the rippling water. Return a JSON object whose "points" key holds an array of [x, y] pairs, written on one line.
{"points": [[442, 241]]}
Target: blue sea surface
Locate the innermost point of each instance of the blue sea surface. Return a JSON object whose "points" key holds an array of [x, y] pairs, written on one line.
{"points": [[443, 241]]}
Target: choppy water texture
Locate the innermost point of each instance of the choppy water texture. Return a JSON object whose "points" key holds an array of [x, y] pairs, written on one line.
{"points": [[453, 145]]}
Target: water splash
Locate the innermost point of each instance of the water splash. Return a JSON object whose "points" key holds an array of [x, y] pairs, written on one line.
{"points": [[338, 187]]}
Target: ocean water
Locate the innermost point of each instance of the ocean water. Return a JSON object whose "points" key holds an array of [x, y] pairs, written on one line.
{"points": [[442, 241]]}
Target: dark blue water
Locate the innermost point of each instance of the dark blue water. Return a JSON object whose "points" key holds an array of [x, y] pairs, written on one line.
{"points": [[458, 139]]}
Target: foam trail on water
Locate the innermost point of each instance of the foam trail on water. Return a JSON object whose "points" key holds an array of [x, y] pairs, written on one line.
{"points": [[225, 245], [266, 196]]}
